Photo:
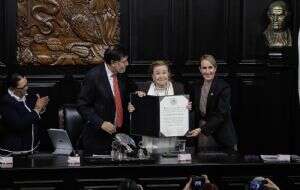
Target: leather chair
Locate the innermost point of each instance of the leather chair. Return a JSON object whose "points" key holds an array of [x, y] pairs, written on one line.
{"points": [[73, 124]]}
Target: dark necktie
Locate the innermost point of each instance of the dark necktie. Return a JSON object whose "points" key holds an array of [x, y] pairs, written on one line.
{"points": [[118, 102]]}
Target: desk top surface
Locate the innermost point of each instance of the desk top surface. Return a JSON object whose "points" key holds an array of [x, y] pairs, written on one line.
{"points": [[43, 161]]}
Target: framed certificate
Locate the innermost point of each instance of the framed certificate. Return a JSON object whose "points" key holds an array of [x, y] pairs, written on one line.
{"points": [[157, 116]]}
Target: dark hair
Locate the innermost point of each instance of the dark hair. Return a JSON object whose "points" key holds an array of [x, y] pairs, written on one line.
{"points": [[13, 79], [128, 184], [114, 54]]}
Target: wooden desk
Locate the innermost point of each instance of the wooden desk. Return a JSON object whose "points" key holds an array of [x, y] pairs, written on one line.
{"points": [[53, 172]]}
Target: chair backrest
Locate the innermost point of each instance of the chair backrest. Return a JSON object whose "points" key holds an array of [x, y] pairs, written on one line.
{"points": [[73, 123]]}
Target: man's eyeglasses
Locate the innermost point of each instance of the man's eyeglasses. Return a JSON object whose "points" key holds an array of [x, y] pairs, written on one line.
{"points": [[22, 88]]}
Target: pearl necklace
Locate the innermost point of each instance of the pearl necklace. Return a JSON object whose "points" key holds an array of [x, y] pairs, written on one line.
{"points": [[161, 91]]}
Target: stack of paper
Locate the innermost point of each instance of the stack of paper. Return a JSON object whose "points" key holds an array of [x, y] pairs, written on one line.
{"points": [[276, 158]]}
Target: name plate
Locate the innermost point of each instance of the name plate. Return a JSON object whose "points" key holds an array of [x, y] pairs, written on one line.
{"points": [[74, 160], [184, 157], [6, 160]]}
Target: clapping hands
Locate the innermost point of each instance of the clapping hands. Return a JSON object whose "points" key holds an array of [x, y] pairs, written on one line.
{"points": [[41, 103]]}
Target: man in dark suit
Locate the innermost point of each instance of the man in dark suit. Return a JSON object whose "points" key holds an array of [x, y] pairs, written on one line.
{"points": [[20, 116], [103, 102]]}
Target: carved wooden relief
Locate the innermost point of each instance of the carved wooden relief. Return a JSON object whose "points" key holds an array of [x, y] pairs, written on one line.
{"points": [[66, 32]]}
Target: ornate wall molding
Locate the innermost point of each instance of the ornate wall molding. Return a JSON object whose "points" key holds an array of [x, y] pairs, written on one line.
{"points": [[66, 32]]}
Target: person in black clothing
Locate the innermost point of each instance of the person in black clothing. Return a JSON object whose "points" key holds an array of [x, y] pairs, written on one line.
{"points": [[103, 102], [211, 105], [20, 114], [160, 85]]}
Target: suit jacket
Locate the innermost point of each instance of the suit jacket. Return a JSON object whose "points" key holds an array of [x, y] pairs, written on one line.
{"points": [[178, 87], [218, 115], [17, 123], [96, 105]]}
